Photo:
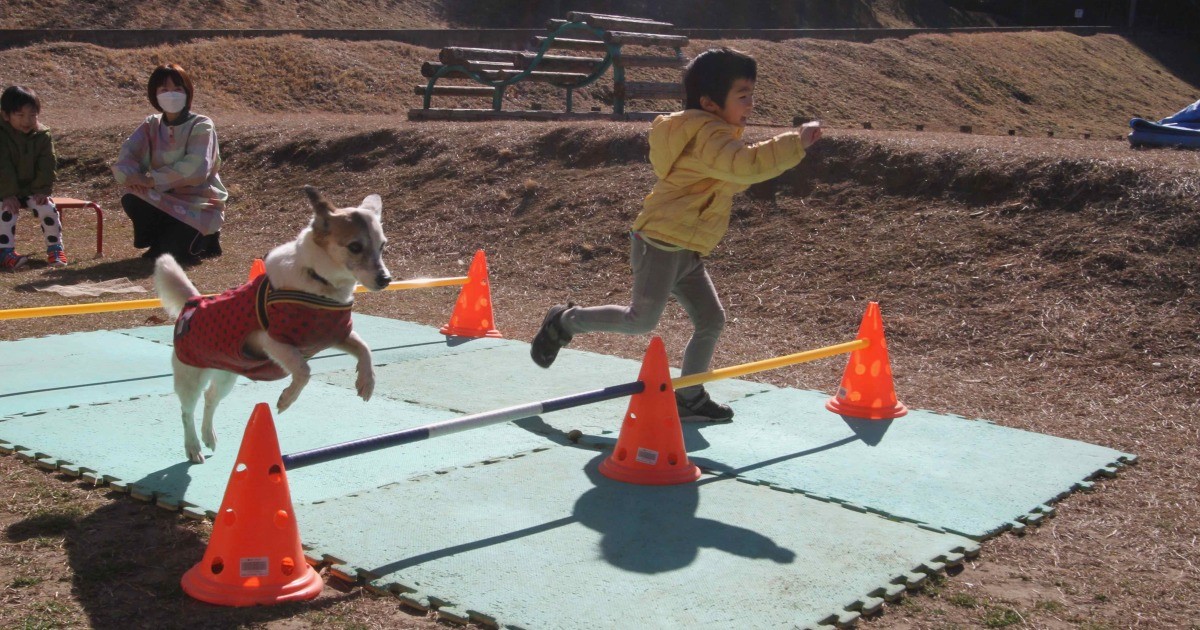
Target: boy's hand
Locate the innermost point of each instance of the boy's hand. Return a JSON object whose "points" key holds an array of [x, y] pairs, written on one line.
{"points": [[810, 132], [10, 204]]}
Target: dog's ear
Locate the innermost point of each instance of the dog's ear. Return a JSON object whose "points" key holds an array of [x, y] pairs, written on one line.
{"points": [[322, 209], [373, 203]]}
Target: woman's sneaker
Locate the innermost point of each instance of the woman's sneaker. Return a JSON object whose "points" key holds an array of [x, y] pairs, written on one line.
{"points": [[703, 409], [550, 337], [56, 258], [12, 261]]}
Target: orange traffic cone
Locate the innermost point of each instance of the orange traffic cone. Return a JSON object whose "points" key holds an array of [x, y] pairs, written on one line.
{"points": [[257, 268], [472, 316], [867, 390], [650, 448], [254, 555]]}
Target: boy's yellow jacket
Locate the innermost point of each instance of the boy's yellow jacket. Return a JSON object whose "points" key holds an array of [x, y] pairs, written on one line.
{"points": [[701, 163]]}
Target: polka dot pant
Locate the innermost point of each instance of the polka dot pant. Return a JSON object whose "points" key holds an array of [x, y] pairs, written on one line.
{"points": [[47, 216]]}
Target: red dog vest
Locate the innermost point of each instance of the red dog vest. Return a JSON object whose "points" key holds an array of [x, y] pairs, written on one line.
{"points": [[211, 331]]}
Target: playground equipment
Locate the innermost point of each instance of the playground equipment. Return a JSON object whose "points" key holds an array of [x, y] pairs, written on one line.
{"points": [[254, 556], [256, 532], [492, 71]]}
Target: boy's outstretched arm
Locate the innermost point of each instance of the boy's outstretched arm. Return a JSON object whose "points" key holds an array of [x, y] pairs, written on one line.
{"points": [[728, 158]]}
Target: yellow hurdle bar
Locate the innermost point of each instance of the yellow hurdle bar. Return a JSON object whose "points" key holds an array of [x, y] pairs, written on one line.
{"points": [[769, 364], [133, 305]]}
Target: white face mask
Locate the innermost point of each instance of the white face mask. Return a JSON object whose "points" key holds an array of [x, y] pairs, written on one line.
{"points": [[172, 102]]}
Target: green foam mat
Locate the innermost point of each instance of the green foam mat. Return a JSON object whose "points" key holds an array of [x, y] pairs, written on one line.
{"points": [[545, 541], [79, 369], [967, 476]]}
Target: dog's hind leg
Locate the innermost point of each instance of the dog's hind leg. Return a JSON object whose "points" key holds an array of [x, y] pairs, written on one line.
{"points": [[220, 386], [189, 382]]}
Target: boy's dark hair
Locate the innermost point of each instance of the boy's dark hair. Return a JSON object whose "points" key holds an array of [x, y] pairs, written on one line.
{"points": [[177, 75], [16, 97], [713, 72]]}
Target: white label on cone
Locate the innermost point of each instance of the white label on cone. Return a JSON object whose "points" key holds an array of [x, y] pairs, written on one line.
{"points": [[253, 567], [647, 456]]}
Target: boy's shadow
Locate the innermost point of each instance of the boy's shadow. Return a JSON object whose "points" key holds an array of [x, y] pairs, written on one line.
{"points": [[127, 560], [653, 529]]}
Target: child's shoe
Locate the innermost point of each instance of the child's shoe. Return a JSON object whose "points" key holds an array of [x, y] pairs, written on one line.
{"points": [[12, 261], [703, 409], [56, 257], [550, 337]]}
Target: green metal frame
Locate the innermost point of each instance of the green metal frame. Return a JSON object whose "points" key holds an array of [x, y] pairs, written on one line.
{"points": [[498, 97]]}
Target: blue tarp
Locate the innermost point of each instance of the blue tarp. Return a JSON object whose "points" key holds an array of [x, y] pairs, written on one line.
{"points": [[1181, 129]]}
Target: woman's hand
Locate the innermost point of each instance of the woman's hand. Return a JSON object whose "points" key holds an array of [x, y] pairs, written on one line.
{"points": [[139, 183]]}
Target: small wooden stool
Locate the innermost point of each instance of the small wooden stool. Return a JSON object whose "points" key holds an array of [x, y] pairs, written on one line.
{"points": [[66, 202]]}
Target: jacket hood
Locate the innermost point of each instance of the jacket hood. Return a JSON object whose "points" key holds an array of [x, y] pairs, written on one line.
{"points": [[672, 134]]}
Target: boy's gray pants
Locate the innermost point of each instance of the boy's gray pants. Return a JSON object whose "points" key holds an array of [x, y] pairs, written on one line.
{"points": [[658, 274]]}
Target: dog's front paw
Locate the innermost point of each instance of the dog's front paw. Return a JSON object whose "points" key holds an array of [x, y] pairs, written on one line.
{"points": [[365, 385], [192, 447]]}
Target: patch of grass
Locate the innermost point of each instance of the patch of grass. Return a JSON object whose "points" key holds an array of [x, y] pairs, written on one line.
{"points": [[22, 582], [1049, 606], [1000, 618], [47, 616], [963, 600]]}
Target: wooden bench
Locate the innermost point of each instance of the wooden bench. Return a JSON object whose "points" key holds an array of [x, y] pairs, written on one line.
{"points": [[67, 203], [605, 36]]}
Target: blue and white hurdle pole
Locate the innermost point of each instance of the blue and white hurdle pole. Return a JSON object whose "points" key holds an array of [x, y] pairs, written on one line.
{"points": [[474, 421]]}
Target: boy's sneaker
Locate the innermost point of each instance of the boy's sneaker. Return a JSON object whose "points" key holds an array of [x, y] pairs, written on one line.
{"points": [[56, 258], [12, 261], [703, 409], [550, 337]]}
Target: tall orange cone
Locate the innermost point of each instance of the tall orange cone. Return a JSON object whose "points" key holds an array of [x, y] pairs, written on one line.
{"points": [[254, 555], [257, 268], [650, 448], [472, 316], [867, 390]]}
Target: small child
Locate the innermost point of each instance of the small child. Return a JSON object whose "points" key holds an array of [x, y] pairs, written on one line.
{"points": [[701, 162], [27, 175]]}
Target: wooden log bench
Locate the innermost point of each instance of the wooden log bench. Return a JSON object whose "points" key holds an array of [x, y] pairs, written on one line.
{"points": [[595, 42]]}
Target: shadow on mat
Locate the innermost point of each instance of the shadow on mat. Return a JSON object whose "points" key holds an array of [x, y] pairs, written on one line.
{"points": [[171, 481], [647, 529], [126, 561]]}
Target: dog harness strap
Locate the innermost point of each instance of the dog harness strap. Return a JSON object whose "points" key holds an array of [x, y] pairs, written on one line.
{"points": [[260, 303]]}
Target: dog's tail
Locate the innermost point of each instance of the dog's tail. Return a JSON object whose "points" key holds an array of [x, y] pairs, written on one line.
{"points": [[172, 285]]}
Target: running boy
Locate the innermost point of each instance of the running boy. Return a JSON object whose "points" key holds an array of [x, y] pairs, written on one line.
{"points": [[701, 162], [27, 175]]}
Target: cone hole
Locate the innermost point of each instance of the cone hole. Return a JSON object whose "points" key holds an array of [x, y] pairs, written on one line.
{"points": [[483, 323], [620, 455], [287, 566], [275, 473], [876, 368], [228, 517], [662, 387], [282, 518], [672, 458], [860, 369], [241, 467], [854, 396], [217, 565]]}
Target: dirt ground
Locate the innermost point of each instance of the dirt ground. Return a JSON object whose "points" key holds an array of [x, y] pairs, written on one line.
{"points": [[1046, 284]]}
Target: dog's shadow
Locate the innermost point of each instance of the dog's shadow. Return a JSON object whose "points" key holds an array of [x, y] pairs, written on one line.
{"points": [[169, 484], [126, 562]]}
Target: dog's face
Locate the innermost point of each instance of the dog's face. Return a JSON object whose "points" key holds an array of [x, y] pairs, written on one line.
{"points": [[352, 237]]}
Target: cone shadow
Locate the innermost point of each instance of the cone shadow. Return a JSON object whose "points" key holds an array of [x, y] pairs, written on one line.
{"points": [[869, 431]]}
